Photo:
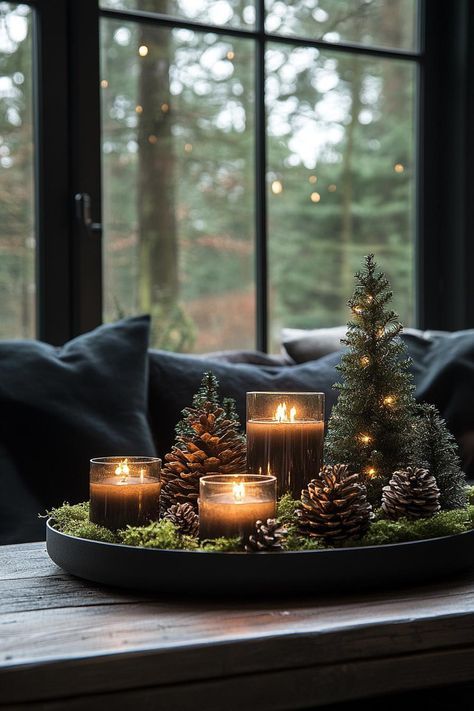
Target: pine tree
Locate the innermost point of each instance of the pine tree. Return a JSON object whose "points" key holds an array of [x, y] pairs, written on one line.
{"points": [[436, 449], [207, 398], [371, 427], [208, 441]]}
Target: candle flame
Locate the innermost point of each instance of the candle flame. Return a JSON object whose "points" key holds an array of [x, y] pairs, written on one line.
{"points": [[238, 491], [123, 470], [281, 413]]}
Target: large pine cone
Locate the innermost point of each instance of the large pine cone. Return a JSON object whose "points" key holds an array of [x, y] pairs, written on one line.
{"points": [[334, 506], [268, 536], [216, 447], [412, 493], [184, 518]]}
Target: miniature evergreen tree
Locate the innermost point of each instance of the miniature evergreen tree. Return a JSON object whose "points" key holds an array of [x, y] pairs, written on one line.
{"points": [[208, 441], [436, 449], [371, 427]]}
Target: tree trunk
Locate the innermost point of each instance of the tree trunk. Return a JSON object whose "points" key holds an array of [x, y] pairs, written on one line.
{"points": [[346, 277], [158, 248]]}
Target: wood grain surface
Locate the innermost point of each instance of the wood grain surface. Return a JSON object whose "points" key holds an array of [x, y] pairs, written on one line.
{"points": [[68, 644]]}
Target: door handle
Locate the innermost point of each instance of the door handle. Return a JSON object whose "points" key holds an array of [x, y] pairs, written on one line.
{"points": [[83, 213]]}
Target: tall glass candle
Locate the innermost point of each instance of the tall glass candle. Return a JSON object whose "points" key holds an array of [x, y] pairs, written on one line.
{"points": [[285, 434], [230, 504], [124, 491]]}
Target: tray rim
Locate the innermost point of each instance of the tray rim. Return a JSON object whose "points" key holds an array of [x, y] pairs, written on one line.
{"points": [[381, 546]]}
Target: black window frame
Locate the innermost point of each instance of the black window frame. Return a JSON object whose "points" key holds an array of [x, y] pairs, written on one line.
{"points": [[68, 141]]}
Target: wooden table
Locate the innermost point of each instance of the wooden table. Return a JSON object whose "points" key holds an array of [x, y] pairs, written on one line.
{"points": [[68, 644]]}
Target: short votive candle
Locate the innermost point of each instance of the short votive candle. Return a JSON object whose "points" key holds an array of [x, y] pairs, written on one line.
{"points": [[230, 504], [124, 491], [285, 435]]}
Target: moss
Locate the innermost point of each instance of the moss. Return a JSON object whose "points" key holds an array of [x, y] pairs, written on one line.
{"points": [[470, 495], [74, 520], [222, 545], [158, 534], [66, 514], [286, 509], [296, 542], [445, 523]]}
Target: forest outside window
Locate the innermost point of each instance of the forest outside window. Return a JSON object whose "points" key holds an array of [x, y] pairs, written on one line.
{"points": [[178, 108], [17, 202]]}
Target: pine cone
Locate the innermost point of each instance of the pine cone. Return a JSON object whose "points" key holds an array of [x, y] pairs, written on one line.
{"points": [[184, 518], [411, 492], [268, 536], [214, 447], [334, 506]]}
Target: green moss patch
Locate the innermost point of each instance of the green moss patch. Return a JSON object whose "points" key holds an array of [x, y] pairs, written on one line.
{"points": [[74, 521]]}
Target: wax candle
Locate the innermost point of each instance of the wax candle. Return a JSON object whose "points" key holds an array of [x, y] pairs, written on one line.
{"points": [[124, 491], [285, 434], [229, 505]]}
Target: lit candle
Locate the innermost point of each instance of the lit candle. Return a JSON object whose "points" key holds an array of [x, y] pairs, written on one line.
{"points": [[124, 491], [285, 434], [229, 505]]}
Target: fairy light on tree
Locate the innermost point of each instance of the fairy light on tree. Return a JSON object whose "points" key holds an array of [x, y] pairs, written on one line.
{"points": [[371, 421]]}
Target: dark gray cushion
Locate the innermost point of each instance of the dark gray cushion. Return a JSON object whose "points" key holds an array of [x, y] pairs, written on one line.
{"points": [[62, 406], [303, 345]]}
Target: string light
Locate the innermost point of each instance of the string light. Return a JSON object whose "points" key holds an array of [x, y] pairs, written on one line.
{"points": [[381, 332], [365, 361], [370, 298], [277, 187], [399, 168], [357, 310], [313, 179], [371, 471], [139, 109], [188, 147], [332, 188], [152, 139], [389, 400], [104, 83], [165, 108], [143, 50], [230, 55], [315, 197], [365, 438]]}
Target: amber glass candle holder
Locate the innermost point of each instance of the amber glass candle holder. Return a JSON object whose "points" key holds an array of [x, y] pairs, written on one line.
{"points": [[230, 504], [124, 491], [285, 435]]}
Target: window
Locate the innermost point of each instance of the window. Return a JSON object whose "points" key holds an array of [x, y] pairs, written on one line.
{"points": [[239, 158], [17, 203], [179, 152]]}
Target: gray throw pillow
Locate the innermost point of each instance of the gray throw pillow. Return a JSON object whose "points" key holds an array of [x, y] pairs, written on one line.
{"points": [[304, 345]]}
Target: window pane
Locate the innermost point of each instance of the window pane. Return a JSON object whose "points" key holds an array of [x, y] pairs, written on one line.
{"points": [[232, 13], [178, 184], [17, 230], [341, 181], [382, 23]]}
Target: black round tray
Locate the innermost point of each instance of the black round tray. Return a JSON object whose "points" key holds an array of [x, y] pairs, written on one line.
{"points": [[340, 570]]}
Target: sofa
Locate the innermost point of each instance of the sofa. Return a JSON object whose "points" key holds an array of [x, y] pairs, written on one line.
{"points": [[107, 393]]}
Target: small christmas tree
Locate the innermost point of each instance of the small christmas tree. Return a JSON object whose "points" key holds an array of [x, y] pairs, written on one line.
{"points": [[371, 427], [208, 441], [436, 449]]}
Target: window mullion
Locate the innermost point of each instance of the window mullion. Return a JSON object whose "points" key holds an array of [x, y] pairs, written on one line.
{"points": [[261, 258]]}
